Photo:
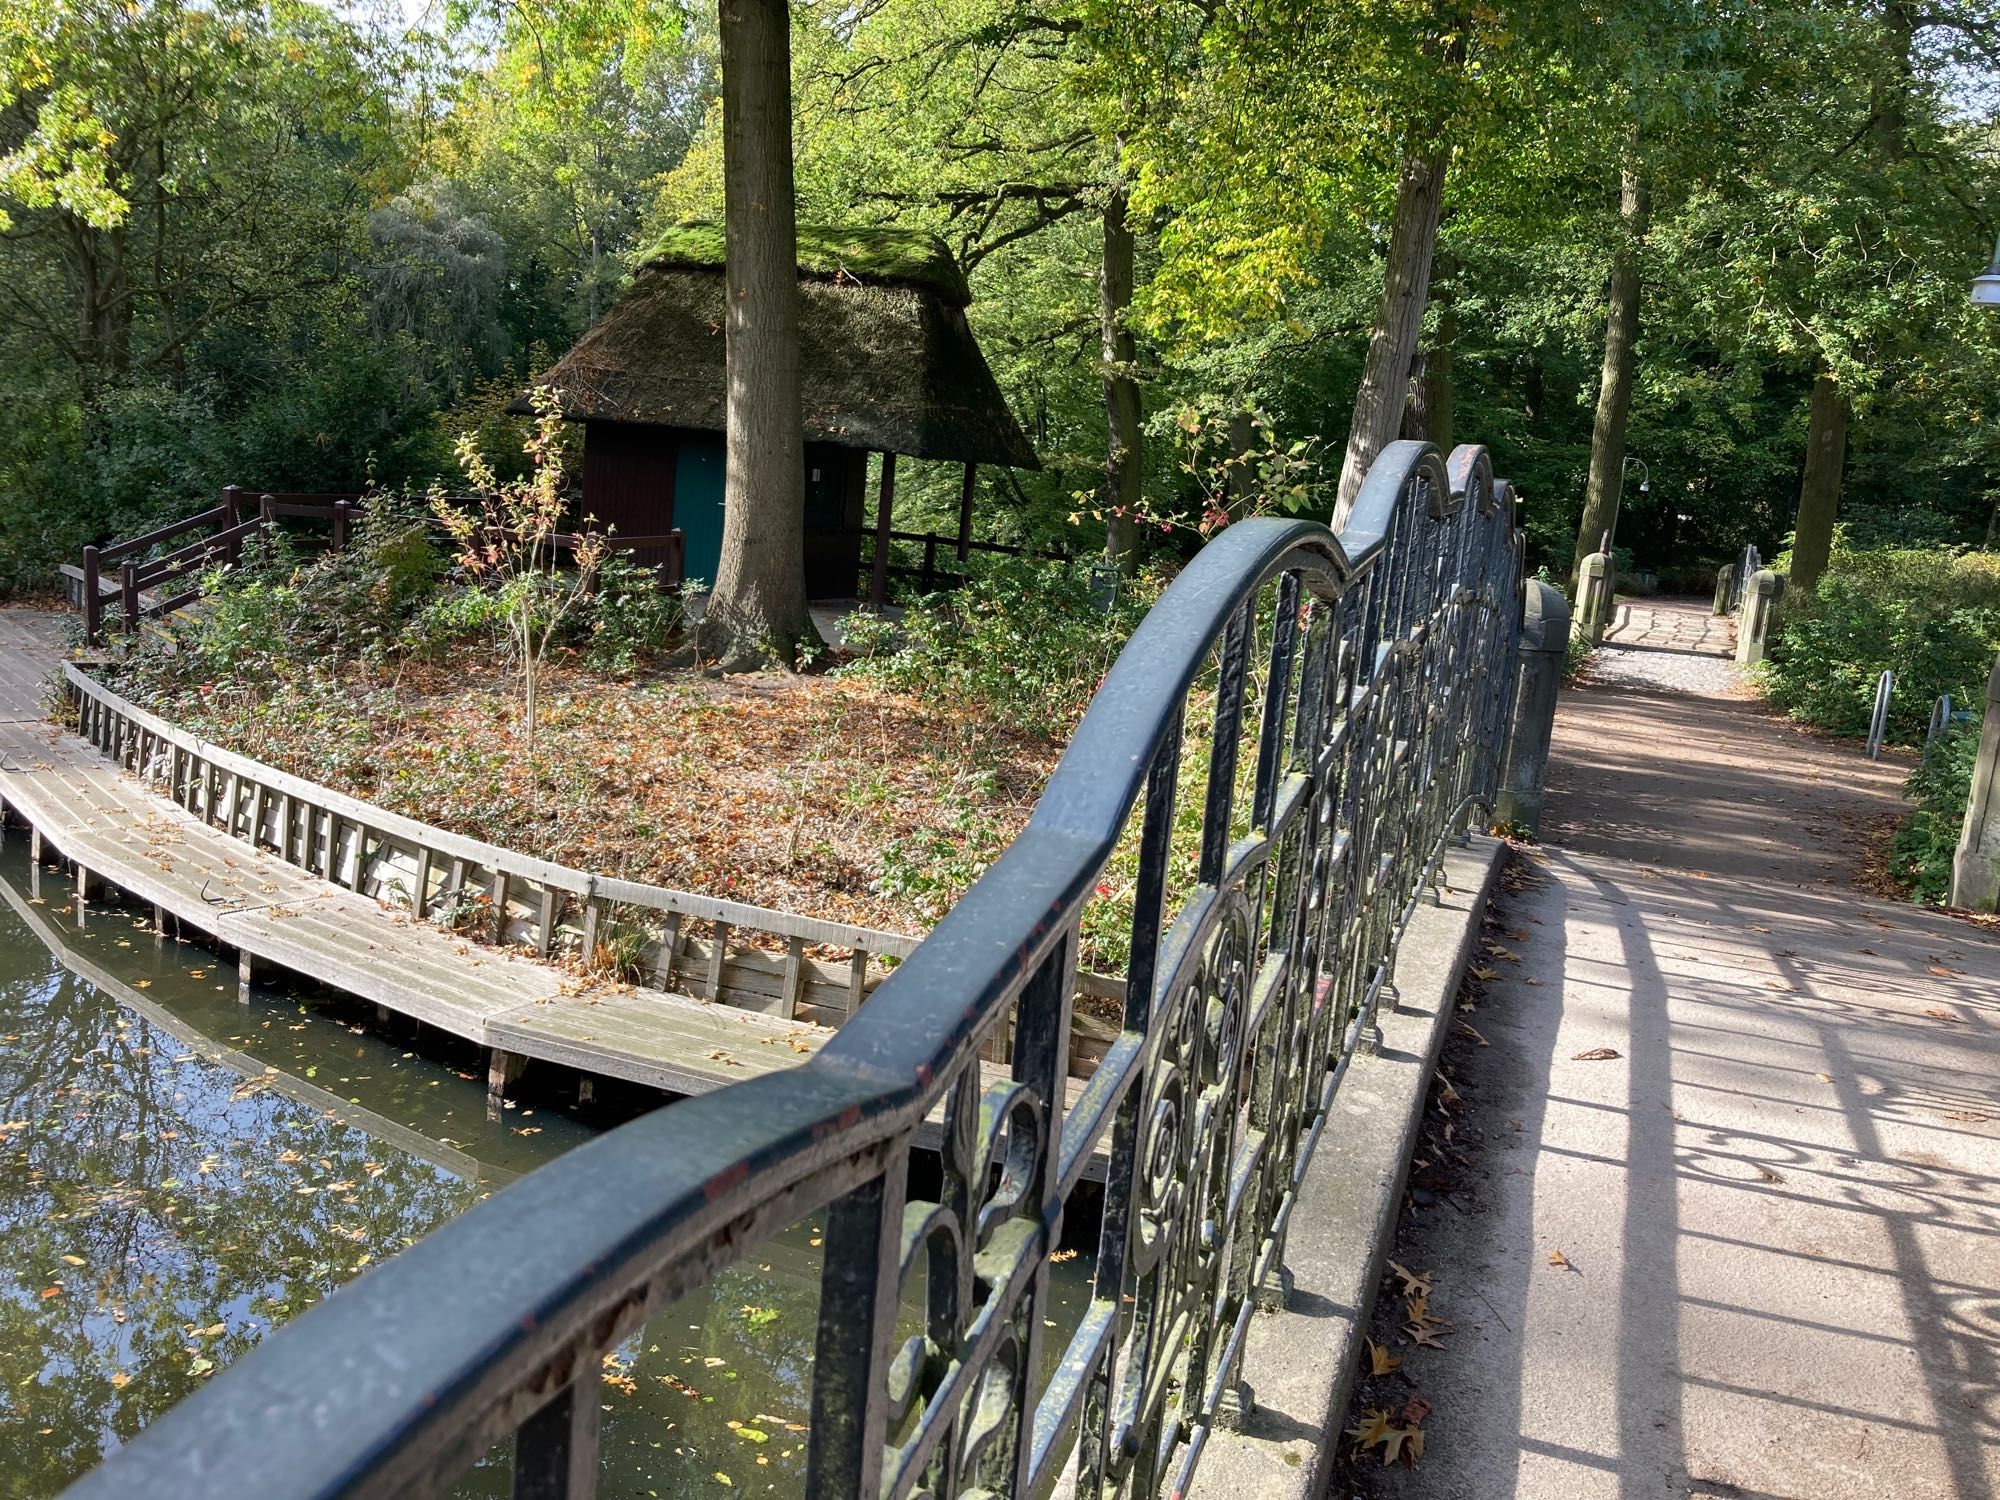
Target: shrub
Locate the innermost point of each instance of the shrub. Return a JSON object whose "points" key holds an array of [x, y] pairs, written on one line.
{"points": [[1920, 855], [1932, 618], [629, 617], [1025, 644]]}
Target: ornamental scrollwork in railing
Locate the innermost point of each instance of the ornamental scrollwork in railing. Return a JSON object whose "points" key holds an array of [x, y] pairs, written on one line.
{"points": [[1273, 769]]}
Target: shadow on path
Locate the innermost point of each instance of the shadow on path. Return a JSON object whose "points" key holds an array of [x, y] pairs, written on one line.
{"points": [[1775, 1203]]}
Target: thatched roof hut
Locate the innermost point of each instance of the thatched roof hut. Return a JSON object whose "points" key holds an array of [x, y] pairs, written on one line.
{"points": [[887, 365], [887, 362]]}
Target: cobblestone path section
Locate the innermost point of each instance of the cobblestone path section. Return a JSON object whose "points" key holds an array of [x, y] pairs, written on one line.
{"points": [[1719, 1214]]}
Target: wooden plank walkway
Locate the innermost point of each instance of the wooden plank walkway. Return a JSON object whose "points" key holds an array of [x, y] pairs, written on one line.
{"points": [[107, 823]]}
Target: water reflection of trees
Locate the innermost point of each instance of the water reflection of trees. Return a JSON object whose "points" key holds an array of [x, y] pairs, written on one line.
{"points": [[160, 1213]]}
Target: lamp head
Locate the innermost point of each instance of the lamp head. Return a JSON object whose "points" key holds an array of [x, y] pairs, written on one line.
{"points": [[1986, 285], [1645, 485]]}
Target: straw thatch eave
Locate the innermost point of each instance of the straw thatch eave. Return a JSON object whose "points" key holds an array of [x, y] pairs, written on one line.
{"points": [[888, 367]]}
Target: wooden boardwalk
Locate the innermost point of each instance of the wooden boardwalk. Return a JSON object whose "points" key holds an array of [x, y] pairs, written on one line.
{"points": [[106, 822]]}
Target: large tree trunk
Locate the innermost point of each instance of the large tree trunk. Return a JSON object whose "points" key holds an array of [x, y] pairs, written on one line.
{"points": [[1399, 319], [1430, 412], [1621, 357], [757, 613], [1122, 444], [1819, 490]]}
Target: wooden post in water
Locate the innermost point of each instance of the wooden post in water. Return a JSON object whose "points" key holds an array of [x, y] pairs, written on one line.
{"points": [[82, 893], [885, 501], [503, 1076], [245, 971]]}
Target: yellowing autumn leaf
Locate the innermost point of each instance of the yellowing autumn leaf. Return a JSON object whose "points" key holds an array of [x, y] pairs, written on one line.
{"points": [[1380, 1360], [1559, 1260], [1373, 1424], [1412, 1282]]}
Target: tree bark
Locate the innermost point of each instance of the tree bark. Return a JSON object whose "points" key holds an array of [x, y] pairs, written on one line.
{"points": [[1428, 417], [1123, 450], [1819, 489], [757, 612], [1621, 357], [1399, 319], [1439, 392]]}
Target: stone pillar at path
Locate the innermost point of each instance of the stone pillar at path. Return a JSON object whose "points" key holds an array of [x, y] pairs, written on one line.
{"points": [[1753, 630], [1544, 643], [1593, 598], [1975, 868]]}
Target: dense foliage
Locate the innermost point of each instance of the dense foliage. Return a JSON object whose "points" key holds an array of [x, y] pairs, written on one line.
{"points": [[295, 246], [1929, 616], [1023, 644], [1920, 854]]}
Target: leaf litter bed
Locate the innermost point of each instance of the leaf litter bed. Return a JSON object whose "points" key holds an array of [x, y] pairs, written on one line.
{"points": [[822, 795]]}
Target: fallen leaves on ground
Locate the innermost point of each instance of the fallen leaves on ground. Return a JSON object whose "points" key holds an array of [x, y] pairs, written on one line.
{"points": [[1380, 1360], [1559, 1260], [1938, 1013], [1421, 1324], [1413, 1282], [1404, 1444], [1597, 1054]]}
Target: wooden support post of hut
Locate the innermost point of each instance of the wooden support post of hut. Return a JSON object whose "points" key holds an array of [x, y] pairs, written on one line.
{"points": [[887, 364]]}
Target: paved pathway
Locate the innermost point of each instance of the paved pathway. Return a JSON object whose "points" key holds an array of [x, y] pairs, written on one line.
{"points": [[1719, 1213]]}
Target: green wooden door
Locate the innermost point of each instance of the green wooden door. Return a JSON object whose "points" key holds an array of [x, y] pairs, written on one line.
{"points": [[699, 466]]}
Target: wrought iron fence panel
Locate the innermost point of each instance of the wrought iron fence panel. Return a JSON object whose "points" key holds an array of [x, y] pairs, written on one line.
{"points": [[1330, 708]]}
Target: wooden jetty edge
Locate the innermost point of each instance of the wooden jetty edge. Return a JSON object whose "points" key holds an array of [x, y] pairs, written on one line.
{"points": [[297, 875]]}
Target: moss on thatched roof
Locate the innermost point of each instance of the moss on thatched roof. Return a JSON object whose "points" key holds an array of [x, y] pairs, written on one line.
{"points": [[886, 362], [882, 256]]}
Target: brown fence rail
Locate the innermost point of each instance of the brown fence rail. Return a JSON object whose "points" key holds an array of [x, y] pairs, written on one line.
{"points": [[120, 573]]}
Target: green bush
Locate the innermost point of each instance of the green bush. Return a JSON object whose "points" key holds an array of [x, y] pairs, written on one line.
{"points": [[1932, 618], [1025, 644], [629, 618], [1920, 855]]}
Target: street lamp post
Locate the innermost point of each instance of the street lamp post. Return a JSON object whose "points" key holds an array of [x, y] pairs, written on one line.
{"points": [[1986, 285]]}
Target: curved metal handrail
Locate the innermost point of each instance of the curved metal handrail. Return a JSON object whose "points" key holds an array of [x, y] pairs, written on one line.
{"points": [[1377, 719]]}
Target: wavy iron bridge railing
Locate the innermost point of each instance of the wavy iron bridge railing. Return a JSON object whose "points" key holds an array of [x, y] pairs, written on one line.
{"points": [[1358, 686]]}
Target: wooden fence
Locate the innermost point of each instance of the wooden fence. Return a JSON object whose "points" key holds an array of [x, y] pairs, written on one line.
{"points": [[136, 587]]}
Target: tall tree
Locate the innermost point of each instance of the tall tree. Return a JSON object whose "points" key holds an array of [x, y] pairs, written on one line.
{"points": [[1399, 319], [1621, 358], [757, 613], [1124, 495], [1819, 487]]}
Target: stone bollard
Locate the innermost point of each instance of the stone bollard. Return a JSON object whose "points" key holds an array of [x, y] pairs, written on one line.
{"points": [[1725, 589], [1593, 598], [1975, 868], [1544, 642], [1753, 627]]}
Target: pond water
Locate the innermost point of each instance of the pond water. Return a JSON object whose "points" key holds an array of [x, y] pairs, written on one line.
{"points": [[179, 1173]]}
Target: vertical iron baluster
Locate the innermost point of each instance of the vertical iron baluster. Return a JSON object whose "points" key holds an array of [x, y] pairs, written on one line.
{"points": [[1116, 1223], [857, 1327], [1218, 810]]}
